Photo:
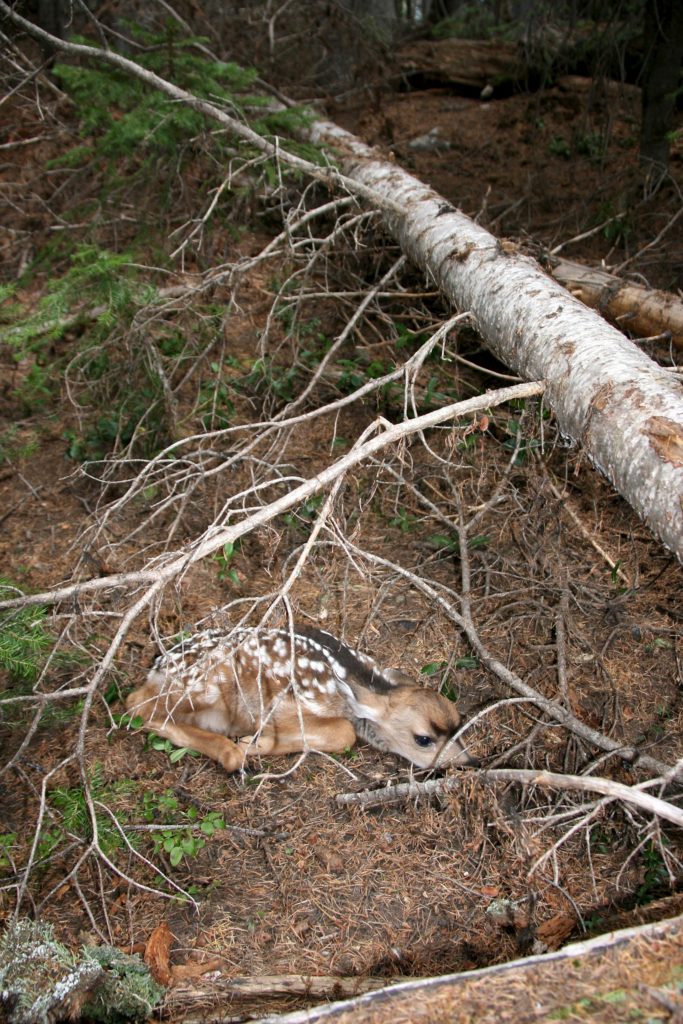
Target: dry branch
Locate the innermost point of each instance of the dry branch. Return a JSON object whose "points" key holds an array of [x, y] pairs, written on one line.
{"points": [[527, 777], [184, 996], [464, 620], [644, 311], [215, 539]]}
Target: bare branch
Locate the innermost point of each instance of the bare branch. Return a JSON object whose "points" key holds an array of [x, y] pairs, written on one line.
{"points": [[554, 780]]}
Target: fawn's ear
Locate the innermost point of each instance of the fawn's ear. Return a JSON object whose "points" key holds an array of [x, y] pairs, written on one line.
{"points": [[363, 703]]}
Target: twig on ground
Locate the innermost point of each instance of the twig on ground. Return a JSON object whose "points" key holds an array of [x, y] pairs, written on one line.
{"points": [[312, 986], [527, 777]]}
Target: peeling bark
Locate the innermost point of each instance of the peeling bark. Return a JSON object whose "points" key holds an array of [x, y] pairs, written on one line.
{"points": [[621, 406]]}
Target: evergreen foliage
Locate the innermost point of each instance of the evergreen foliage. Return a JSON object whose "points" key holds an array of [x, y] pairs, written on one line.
{"points": [[98, 277], [132, 133], [99, 295], [126, 118], [24, 639]]}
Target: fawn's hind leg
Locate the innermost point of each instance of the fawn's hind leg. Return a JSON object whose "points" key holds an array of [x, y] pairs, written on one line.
{"points": [[218, 748], [146, 702], [329, 735]]}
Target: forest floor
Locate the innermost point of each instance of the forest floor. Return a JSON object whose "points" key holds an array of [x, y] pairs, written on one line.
{"points": [[289, 882]]}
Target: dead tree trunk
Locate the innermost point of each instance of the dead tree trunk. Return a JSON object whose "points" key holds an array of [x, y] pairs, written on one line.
{"points": [[625, 409], [643, 311], [663, 32]]}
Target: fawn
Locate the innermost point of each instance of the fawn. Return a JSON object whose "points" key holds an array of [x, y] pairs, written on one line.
{"points": [[269, 691]]}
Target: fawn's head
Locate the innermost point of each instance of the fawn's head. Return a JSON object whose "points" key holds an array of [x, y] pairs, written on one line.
{"points": [[416, 724], [389, 711]]}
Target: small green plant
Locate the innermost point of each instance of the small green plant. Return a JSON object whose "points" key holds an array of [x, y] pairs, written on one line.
{"points": [[127, 720], [432, 397], [440, 542], [352, 376], [265, 375], [513, 429], [619, 223], [559, 147], [467, 662], [660, 643], [180, 839], [435, 668], [403, 520], [451, 545], [305, 515], [7, 843], [655, 876], [12, 449], [590, 145], [601, 840], [164, 746], [224, 557], [216, 407], [407, 340]]}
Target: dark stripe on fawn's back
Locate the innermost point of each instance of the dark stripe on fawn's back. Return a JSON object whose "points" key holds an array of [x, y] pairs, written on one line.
{"points": [[369, 677]]}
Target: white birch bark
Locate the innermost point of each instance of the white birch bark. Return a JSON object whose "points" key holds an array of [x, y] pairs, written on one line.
{"points": [[624, 409]]}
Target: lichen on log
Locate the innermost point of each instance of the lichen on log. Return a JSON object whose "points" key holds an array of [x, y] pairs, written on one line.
{"points": [[43, 982]]}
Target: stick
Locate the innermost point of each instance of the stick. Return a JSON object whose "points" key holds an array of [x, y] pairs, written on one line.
{"points": [[311, 986], [527, 777]]}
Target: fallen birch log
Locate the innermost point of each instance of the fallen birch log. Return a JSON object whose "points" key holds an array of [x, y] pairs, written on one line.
{"points": [[607, 394], [643, 311]]}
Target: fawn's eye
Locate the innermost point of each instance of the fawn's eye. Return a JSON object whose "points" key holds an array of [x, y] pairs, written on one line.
{"points": [[423, 741]]}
